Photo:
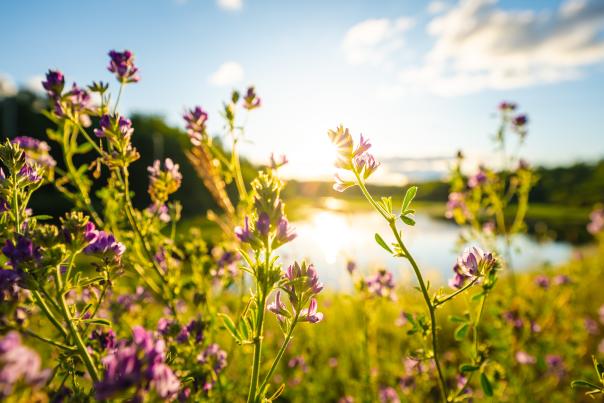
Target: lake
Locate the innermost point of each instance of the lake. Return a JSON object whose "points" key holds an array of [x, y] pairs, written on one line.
{"points": [[331, 237]]}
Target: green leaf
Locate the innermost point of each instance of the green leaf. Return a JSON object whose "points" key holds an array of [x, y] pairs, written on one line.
{"points": [[461, 332], [84, 148], [599, 367], [381, 242], [486, 385], [42, 217], [97, 321], [409, 196], [230, 326], [580, 384], [457, 319], [468, 367], [408, 220]]}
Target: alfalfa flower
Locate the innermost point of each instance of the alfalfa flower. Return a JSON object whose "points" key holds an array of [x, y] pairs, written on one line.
{"points": [[163, 180], [278, 307], [276, 163], [196, 119], [381, 284], [19, 365], [596, 223], [342, 140], [106, 246], [475, 262], [122, 65], [250, 99], [478, 179], [36, 151], [524, 358], [54, 83], [216, 359]]}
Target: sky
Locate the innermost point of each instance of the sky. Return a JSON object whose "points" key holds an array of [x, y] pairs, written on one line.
{"points": [[421, 79]]}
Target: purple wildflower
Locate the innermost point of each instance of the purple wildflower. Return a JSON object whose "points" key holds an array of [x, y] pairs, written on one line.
{"points": [[351, 266], [298, 362], [591, 326], [163, 181], [311, 315], [456, 202], [161, 211], [520, 120], [19, 365], [366, 164], [278, 307], [196, 124], [524, 358], [251, 100], [54, 84], [36, 151], [216, 359], [137, 365], [474, 261], [244, 234], [459, 277], [106, 245], [284, 233], [596, 223], [555, 364], [302, 278], [263, 224], [9, 288], [341, 184], [275, 163], [122, 65], [381, 284], [388, 395], [105, 339], [513, 318], [507, 106], [31, 174], [479, 178], [542, 281], [562, 279], [21, 251], [362, 147]]}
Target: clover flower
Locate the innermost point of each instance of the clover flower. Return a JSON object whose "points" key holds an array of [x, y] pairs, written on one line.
{"points": [[196, 119], [122, 65], [163, 181], [106, 246], [19, 365], [251, 100], [54, 84], [36, 151], [596, 223], [381, 284], [137, 365]]}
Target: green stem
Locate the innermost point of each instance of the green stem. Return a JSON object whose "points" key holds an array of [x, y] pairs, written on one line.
{"points": [[117, 101], [42, 304], [16, 211], [235, 163], [47, 340], [454, 294], [280, 353], [80, 345], [88, 138], [431, 309]]}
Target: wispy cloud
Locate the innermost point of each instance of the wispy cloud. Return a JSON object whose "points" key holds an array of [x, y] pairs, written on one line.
{"points": [[228, 73], [7, 86], [477, 45], [230, 5], [371, 41]]}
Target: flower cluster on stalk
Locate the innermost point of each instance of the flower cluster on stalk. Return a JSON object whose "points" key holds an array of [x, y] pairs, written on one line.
{"points": [[352, 159], [117, 130], [471, 265], [163, 180], [301, 284], [19, 366], [137, 367], [122, 65]]}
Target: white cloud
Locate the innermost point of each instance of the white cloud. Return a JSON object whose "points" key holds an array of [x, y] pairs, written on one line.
{"points": [[372, 41], [7, 86], [228, 73], [479, 46], [34, 84], [437, 7], [230, 5]]}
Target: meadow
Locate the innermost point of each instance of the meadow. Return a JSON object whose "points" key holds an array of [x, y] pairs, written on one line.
{"points": [[115, 300]]}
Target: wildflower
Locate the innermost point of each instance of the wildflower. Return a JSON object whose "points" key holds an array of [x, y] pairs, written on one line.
{"points": [[19, 365], [555, 364], [137, 365], [163, 182], [277, 163], [278, 307], [9, 288], [524, 358], [36, 151], [244, 234], [251, 100], [196, 124], [122, 65], [596, 223], [341, 184], [302, 280], [79, 99], [263, 224], [21, 251], [520, 120], [216, 359], [456, 203], [388, 395], [479, 178], [161, 211], [31, 174], [77, 230], [401, 320], [507, 106], [381, 284], [351, 266], [106, 246], [562, 279], [474, 261], [513, 318], [105, 339], [54, 84], [298, 362], [365, 163], [310, 314], [284, 233], [542, 281], [591, 326], [462, 384], [362, 147], [459, 278]]}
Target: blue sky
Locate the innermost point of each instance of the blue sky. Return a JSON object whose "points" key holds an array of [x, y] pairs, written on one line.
{"points": [[420, 79]]}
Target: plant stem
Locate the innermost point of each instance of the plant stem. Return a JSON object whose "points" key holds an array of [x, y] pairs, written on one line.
{"points": [[42, 304], [431, 309], [280, 353], [81, 347], [16, 211], [46, 340], [236, 165], [261, 293], [454, 294]]}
